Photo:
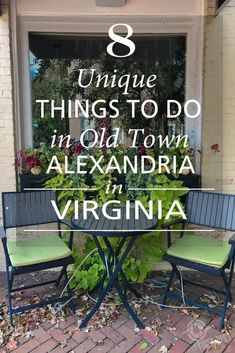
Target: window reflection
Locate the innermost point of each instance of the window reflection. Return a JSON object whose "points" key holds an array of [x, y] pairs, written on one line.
{"points": [[55, 61]]}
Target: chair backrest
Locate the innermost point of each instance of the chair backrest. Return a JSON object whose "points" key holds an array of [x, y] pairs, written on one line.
{"points": [[28, 208], [211, 209]]}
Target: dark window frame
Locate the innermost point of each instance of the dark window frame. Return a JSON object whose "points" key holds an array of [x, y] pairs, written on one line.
{"points": [[220, 4]]}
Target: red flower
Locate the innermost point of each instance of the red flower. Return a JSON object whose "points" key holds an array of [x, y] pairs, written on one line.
{"points": [[141, 149], [31, 161], [25, 162], [77, 149]]}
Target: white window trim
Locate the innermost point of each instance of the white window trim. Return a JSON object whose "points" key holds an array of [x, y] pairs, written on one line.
{"points": [[219, 9], [191, 26]]}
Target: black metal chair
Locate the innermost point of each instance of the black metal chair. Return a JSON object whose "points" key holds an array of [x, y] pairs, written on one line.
{"points": [[207, 255], [23, 209]]}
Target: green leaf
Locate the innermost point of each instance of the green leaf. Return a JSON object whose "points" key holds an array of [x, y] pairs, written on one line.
{"points": [[144, 346], [162, 179]]}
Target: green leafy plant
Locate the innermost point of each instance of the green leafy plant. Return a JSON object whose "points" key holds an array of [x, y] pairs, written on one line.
{"points": [[148, 249], [28, 158], [54, 82], [163, 182], [63, 181], [136, 181], [91, 271]]}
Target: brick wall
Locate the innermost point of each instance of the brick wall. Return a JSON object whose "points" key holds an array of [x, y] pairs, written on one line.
{"points": [[7, 173], [218, 125]]}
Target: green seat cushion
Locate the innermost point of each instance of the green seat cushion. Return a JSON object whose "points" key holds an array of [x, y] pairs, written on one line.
{"points": [[206, 251], [37, 250]]}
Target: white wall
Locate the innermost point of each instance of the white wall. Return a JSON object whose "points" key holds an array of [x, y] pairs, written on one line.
{"points": [[7, 153], [218, 169], [132, 7], [231, 3]]}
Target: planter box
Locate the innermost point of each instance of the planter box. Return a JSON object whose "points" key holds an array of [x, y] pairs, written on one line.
{"points": [[89, 180], [38, 181], [191, 180], [33, 181]]}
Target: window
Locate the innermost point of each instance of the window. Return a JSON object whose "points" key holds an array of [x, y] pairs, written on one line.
{"points": [[220, 3], [55, 61]]}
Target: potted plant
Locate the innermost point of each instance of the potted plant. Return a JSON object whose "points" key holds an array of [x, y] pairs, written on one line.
{"points": [[148, 249], [189, 179], [30, 164]]}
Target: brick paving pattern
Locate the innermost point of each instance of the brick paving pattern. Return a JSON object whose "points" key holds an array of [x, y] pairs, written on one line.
{"points": [[174, 334]]}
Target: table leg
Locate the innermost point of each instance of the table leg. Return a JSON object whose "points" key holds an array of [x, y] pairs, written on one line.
{"points": [[113, 281], [122, 294], [129, 285], [115, 255], [127, 306]]}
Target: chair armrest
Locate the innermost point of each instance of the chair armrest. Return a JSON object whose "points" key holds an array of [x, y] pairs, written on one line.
{"points": [[168, 227], [232, 240], [2, 233], [68, 224], [176, 221]]}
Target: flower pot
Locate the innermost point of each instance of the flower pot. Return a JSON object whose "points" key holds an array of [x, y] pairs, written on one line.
{"points": [[121, 180], [33, 181], [89, 180]]}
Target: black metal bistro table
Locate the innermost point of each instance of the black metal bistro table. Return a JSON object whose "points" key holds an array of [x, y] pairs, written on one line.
{"points": [[127, 231]]}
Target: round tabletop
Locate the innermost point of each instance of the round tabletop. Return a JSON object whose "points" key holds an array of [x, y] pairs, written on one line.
{"points": [[127, 225]]}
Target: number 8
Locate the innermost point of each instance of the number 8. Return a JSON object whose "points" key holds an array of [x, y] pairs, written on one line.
{"points": [[119, 39]]}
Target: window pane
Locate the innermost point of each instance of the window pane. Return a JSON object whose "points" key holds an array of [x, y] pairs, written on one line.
{"points": [[220, 3], [55, 63]]}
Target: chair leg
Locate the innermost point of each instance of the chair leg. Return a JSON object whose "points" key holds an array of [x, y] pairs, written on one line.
{"points": [[226, 284], [227, 296], [71, 303], [9, 288], [62, 273], [168, 285]]}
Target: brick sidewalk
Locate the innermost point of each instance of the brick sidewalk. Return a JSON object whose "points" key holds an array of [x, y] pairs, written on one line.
{"points": [[168, 330]]}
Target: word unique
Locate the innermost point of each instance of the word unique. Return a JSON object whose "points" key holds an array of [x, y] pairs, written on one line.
{"points": [[115, 80]]}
